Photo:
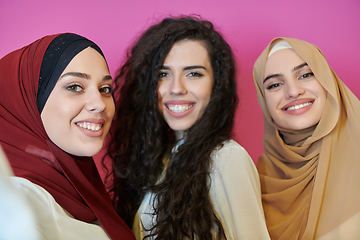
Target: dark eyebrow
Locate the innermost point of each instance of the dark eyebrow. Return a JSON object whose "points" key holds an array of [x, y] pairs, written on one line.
{"points": [[279, 75], [300, 66], [83, 75], [271, 76], [76, 74], [193, 67], [107, 77], [185, 68]]}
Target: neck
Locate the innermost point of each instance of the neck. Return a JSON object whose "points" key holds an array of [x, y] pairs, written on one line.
{"points": [[179, 135]]}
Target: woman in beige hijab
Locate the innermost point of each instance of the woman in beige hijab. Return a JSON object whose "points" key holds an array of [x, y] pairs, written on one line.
{"points": [[309, 172]]}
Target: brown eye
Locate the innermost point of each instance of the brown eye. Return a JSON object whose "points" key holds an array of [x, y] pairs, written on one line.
{"points": [[106, 90], [195, 74], [74, 88], [306, 75], [163, 75], [273, 86]]}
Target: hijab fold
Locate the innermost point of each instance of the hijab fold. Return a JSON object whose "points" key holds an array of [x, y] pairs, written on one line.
{"points": [[73, 181], [309, 178]]}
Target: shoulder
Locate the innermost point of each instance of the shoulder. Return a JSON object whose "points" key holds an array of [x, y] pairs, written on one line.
{"points": [[230, 145], [231, 160], [41, 202], [14, 208], [231, 152], [235, 192], [51, 219], [32, 191]]}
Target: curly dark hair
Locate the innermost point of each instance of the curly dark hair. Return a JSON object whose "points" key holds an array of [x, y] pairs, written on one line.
{"points": [[141, 139]]}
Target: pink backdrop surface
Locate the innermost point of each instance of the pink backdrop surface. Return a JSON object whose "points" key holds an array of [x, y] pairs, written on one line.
{"points": [[248, 26]]}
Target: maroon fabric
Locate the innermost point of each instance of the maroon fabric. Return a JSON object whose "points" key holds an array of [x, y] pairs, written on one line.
{"points": [[74, 182]]}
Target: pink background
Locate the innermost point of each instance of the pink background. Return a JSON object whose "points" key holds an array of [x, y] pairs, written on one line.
{"points": [[248, 26]]}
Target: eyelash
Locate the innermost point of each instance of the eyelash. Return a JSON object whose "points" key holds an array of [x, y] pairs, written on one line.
{"points": [[195, 74], [108, 90], [163, 74], [191, 74], [72, 87], [306, 75], [275, 85]]}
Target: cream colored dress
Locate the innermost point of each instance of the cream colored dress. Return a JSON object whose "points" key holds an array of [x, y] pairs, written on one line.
{"points": [[28, 211], [16, 217], [52, 222], [235, 193]]}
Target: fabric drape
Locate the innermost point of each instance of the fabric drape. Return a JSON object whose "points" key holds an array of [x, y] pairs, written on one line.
{"points": [[309, 178], [74, 182]]}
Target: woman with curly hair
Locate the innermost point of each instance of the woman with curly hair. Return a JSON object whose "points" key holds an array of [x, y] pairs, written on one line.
{"points": [[178, 174]]}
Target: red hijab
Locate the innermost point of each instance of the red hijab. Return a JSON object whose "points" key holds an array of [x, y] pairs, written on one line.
{"points": [[74, 182]]}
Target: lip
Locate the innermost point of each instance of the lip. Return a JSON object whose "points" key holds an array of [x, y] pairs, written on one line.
{"points": [[88, 132], [298, 102], [184, 103]]}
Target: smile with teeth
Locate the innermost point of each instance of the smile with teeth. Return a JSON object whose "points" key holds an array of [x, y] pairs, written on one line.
{"points": [[91, 126], [179, 108], [296, 107]]}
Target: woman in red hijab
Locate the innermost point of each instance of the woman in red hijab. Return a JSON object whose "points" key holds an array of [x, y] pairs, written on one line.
{"points": [[56, 108]]}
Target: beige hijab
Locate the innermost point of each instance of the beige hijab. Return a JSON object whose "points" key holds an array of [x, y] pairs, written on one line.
{"points": [[310, 179]]}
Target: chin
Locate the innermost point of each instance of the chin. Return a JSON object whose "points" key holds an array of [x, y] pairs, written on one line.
{"points": [[82, 149], [299, 127], [88, 152], [180, 127]]}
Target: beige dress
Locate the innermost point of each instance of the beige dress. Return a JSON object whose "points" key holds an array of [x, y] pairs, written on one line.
{"points": [[235, 193], [51, 220], [17, 219]]}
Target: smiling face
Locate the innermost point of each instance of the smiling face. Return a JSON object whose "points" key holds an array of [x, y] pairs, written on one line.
{"points": [[185, 85], [80, 108], [294, 97]]}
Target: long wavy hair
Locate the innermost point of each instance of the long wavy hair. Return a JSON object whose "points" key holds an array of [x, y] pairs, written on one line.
{"points": [[141, 139]]}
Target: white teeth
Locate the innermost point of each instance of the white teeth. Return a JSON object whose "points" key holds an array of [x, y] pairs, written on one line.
{"points": [[179, 108], [296, 107], [91, 126]]}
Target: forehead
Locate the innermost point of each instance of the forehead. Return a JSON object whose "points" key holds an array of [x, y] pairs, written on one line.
{"points": [[88, 60], [282, 61], [188, 50]]}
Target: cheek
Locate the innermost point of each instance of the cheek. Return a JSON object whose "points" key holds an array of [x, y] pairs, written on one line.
{"points": [[273, 103], [323, 93], [56, 112], [68, 110], [159, 98], [110, 106], [271, 111], [204, 102], [320, 92], [204, 92], [322, 97], [270, 104], [161, 90], [207, 101]]}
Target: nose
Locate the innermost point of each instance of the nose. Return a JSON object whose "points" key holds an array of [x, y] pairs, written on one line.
{"points": [[294, 90], [177, 86], [95, 101]]}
